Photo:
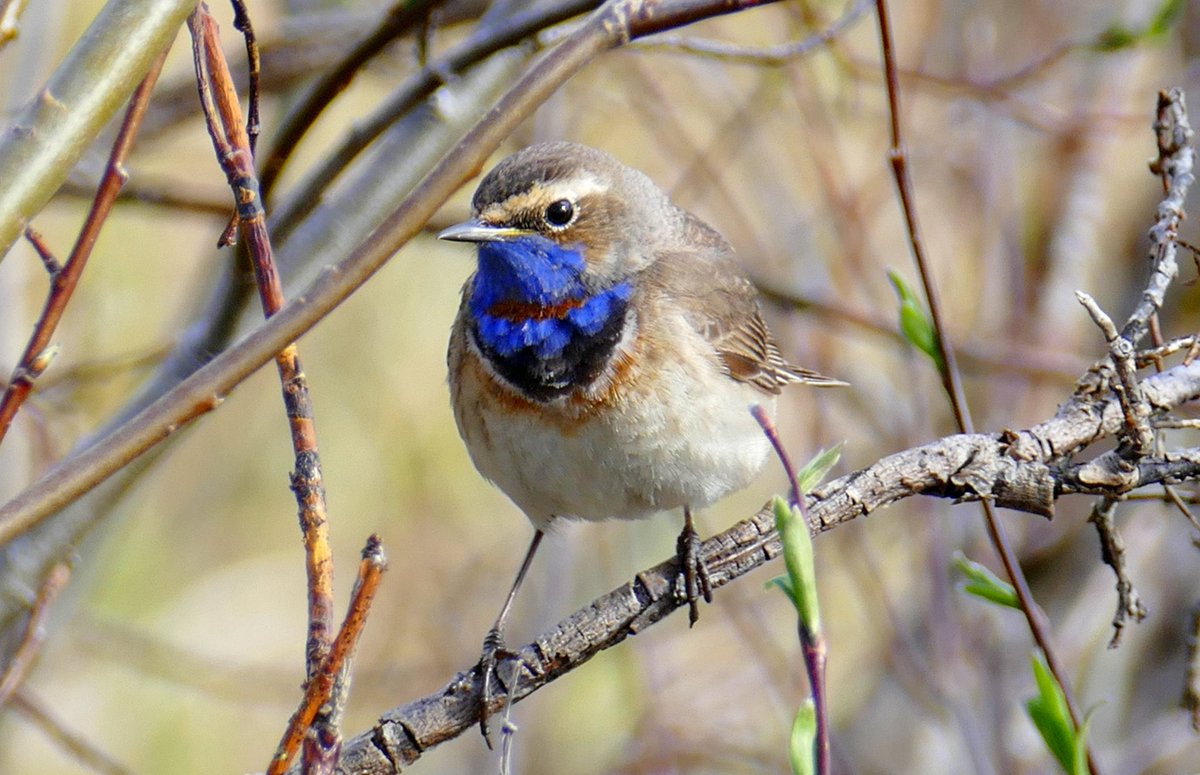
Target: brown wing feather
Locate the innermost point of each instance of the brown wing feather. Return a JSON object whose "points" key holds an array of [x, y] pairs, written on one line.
{"points": [[722, 304]]}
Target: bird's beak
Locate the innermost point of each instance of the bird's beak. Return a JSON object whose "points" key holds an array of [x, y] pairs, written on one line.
{"points": [[476, 230]]}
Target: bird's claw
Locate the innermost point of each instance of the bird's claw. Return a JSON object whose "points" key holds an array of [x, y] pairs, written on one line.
{"points": [[694, 581], [493, 652]]}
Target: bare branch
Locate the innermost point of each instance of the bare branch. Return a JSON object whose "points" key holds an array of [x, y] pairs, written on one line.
{"points": [[402, 17], [1112, 551], [1176, 158], [18, 667], [328, 685], [769, 56], [64, 279], [1137, 435], [1020, 470]]}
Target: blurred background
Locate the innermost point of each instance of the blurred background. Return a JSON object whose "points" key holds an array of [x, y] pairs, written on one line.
{"points": [[178, 646]]}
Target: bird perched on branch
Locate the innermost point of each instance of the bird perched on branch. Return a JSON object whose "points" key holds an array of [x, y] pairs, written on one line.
{"points": [[605, 354]]}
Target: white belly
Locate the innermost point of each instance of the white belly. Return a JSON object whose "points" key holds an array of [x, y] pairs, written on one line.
{"points": [[674, 433]]}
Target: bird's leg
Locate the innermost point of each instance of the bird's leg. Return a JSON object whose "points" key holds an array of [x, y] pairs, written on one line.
{"points": [[493, 644], [693, 571]]}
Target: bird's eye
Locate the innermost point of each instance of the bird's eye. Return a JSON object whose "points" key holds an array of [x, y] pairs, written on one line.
{"points": [[560, 213]]}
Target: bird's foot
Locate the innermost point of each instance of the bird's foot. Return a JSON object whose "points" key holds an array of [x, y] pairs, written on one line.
{"points": [[694, 581], [493, 688]]}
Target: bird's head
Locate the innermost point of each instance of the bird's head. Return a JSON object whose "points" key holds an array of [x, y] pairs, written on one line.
{"points": [[559, 220]]}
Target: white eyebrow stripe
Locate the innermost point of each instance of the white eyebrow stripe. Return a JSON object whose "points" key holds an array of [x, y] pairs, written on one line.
{"points": [[540, 195], [575, 188]]}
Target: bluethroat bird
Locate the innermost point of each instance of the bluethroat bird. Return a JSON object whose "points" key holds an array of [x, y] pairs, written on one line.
{"points": [[605, 354]]}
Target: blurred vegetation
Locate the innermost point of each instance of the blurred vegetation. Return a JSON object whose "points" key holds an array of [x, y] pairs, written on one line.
{"points": [[178, 646]]}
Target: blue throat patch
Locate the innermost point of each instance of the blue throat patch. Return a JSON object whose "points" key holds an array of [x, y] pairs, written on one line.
{"points": [[543, 280], [535, 319]]}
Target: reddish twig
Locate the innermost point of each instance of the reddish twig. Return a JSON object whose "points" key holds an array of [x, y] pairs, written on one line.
{"points": [[241, 23], [951, 377], [14, 674], [813, 643], [323, 685], [64, 279], [231, 142], [772, 433], [49, 260]]}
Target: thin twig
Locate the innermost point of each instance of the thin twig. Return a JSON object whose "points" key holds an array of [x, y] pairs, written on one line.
{"points": [[768, 56], [22, 660], [1174, 497], [402, 17], [768, 427], [951, 378], [49, 260], [506, 32], [64, 281], [1008, 356], [68, 740], [165, 193], [1154, 355], [1138, 436], [321, 687], [898, 156], [1112, 552], [231, 142], [323, 745], [1174, 165], [242, 23], [812, 643]]}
